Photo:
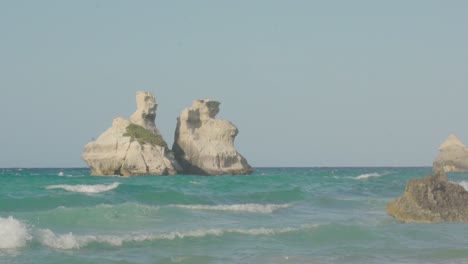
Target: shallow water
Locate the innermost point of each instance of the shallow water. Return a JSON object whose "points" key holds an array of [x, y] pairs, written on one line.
{"points": [[276, 215]]}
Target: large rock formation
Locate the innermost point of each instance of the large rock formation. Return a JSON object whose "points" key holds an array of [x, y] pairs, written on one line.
{"points": [[453, 156], [205, 145], [430, 200], [132, 147]]}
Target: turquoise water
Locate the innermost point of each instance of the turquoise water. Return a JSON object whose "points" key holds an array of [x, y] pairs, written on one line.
{"points": [[276, 215]]}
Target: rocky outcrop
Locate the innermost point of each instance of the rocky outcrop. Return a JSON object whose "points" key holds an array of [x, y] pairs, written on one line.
{"points": [[430, 200], [205, 145], [132, 147], [453, 156]]}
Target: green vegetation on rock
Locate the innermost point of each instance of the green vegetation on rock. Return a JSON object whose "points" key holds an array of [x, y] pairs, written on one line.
{"points": [[142, 135]]}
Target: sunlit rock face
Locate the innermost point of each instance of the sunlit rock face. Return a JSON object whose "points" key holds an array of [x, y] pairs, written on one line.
{"points": [[132, 147], [204, 145]]}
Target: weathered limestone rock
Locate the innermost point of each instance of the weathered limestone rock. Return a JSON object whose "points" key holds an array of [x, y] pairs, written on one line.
{"points": [[145, 114], [430, 200], [132, 147], [205, 145], [453, 156]]}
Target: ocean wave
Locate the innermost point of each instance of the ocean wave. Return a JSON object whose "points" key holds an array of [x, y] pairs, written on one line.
{"points": [[101, 216], [369, 175], [128, 206], [273, 196], [464, 184], [81, 188], [71, 241], [252, 208], [13, 233]]}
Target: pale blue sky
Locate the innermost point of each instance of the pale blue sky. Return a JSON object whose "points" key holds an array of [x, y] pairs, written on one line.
{"points": [[308, 83]]}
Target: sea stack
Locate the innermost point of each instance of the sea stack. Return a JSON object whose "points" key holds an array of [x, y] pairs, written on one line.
{"points": [[431, 199], [204, 145], [132, 147], [453, 156]]}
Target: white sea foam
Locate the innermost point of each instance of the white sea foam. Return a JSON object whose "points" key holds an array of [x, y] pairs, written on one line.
{"points": [[13, 233], [67, 241], [60, 173], [464, 184], [71, 241], [81, 188], [369, 175], [252, 208]]}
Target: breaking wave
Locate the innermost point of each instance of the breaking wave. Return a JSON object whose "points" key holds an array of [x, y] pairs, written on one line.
{"points": [[369, 175], [13, 233], [252, 208], [71, 241], [464, 184], [81, 188]]}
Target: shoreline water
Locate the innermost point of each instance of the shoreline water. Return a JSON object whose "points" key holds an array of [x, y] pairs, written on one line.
{"points": [[276, 215]]}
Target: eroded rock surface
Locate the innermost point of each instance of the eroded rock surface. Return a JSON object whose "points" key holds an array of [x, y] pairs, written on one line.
{"points": [[430, 200], [205, 145], [453, 156], [132, 147]]}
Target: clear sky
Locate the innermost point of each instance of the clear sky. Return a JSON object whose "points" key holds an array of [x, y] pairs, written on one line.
{"points": [[308, 83]]}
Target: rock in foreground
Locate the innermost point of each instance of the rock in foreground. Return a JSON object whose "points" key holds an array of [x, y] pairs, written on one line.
{"points": [[431, 199], [204, 145], [132, 147], [453, 156]]}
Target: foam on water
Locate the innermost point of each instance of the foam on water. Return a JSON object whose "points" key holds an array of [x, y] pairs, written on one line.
{"points": [[13, 233], [369, 175], [252, 208], [464, 184], [232, 219], [71, 241], [81, 188]]}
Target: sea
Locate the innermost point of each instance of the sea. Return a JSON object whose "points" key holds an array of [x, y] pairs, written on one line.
{"points": [[275, 215]]}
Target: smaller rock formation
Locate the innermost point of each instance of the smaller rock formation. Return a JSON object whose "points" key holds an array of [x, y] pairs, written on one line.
{"points": [[205, 145], [430, 200], [453, 156], [145, 115], [132, 147]]}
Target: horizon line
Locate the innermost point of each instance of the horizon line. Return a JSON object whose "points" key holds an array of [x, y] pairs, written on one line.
{"points": [[259, 167]]}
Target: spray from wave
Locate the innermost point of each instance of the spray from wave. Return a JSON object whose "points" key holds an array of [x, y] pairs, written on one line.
{"points": [[70, 241], [81, 188], [13, 233], [251, 208], [464, 184], [370, 175]]}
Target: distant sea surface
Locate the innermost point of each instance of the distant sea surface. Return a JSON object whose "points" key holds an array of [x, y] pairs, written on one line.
{"points": [[276, 215]]}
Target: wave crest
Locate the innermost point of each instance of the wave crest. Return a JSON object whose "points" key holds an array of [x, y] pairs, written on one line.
{"points": [[13, 233], [368, 175], [252, 208], [81, 188], [70, 241], [464, 184]]}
